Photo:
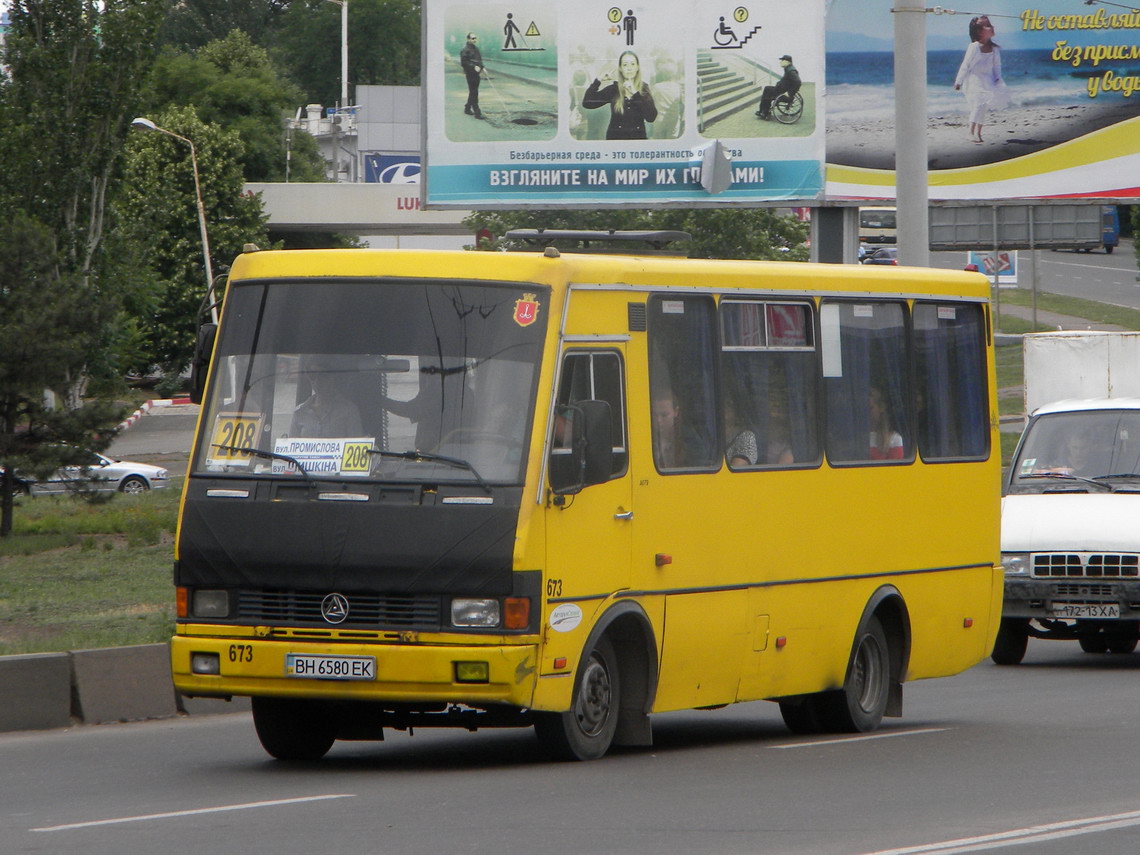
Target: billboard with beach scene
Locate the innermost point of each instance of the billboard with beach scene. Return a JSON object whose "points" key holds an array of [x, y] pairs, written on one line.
{"points": [[1024, 100], [591, 104]]}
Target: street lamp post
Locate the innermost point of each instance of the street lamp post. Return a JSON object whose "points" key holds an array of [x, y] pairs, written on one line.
{"points": [[343, 50], [147, 124]]}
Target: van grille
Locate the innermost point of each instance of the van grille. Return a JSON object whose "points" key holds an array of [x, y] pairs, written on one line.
{"points": [[374, 611], [1086, 564]]}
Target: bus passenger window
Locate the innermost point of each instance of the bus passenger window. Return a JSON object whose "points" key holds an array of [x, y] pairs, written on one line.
{"points": [[682, 380], [950, 374], [768, 370], [865, 383]]}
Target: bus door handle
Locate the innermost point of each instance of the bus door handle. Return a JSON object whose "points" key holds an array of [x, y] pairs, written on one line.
{"points": [[624, 515]]}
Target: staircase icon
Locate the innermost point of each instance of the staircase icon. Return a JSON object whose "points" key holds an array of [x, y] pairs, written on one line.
{"points": [[723, 90], [726, 40]]}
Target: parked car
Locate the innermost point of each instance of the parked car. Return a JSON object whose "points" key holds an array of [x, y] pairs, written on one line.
{"points": [[883, 255], [98, 473]]}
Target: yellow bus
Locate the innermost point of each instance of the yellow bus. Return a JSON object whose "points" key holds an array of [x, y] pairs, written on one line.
{"points": [[569, 491]]}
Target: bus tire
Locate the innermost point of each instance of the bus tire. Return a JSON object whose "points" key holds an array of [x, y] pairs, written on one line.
{"points": [[801, 715], [860, 705], [586, 730], [1011, 642], [293, 729]]}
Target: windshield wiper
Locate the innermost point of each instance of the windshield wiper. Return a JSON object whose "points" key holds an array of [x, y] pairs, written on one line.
{"points": [[268, 455], [1065, 476], [435, 458]]}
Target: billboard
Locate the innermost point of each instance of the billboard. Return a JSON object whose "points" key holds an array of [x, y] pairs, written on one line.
{"points": [[590, 104], [1050, 110]]}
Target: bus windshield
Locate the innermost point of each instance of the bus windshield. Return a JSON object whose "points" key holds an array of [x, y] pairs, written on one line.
{"points": [[407, 380]]}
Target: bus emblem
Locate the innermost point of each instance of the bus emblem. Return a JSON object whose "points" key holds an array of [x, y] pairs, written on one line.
{"points": [[526, 310], [334, 608]]}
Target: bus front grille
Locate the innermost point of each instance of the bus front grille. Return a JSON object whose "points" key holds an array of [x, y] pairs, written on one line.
{"points": [[283, 608]]}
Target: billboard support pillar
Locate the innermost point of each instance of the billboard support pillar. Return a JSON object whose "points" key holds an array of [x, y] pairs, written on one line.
{"points": [[834, 235], [910, 133]]}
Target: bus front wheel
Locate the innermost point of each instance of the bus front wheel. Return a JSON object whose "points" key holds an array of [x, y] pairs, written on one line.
{"points": [[292, 729], [586, 730]]}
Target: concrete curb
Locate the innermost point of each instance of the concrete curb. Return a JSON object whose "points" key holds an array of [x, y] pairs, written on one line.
{"points": [[42, 691], [146, 408], [35, 691]]}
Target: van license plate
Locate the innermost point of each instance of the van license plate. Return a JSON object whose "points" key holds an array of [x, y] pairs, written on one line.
{"points": [[1102, 611], [330, 667]]}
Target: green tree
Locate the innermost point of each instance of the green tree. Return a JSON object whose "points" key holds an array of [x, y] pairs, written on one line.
{"points": [[717, 232], [50, 328], [194, 23], [383, 45], [73, 68], [73, 72], [231, 82], [158, 209]]}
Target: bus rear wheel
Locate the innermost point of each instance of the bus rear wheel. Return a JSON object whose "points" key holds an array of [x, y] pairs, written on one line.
{"points": [[859, 706], [586, 730], [293, 729]]}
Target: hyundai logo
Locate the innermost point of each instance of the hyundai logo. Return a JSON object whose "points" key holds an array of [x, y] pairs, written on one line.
{"points": [[334, 608]]}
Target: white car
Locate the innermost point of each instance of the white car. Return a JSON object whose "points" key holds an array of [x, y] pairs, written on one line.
{"points": [[99, 473]]}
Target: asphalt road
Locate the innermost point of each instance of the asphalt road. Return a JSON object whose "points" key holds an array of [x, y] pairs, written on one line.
{"points": [[1105, 278], [986, 757]]}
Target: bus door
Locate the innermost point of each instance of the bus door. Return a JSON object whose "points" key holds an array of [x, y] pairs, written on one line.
{"points": [[588, 533]]}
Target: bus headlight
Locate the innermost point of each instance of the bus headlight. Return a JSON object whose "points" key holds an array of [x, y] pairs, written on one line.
{"points": [[210, 604], [1015, 563], [473, 612]]}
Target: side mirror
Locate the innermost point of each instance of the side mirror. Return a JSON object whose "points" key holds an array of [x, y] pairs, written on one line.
{"points": [[583, 447], [200, 365]]}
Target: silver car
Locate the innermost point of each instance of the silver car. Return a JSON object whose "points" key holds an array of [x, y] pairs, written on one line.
{"points": [[99, 473]]}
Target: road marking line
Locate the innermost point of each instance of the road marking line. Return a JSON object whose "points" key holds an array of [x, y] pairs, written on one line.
{"points": [[846, 739], [1075, 264], [180, 813], [1021, 836]]}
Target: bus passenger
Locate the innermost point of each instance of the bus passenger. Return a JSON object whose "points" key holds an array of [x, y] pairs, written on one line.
{"points": [[886, 442], [743, 449]]}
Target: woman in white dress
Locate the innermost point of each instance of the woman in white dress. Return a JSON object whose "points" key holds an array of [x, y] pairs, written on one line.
{"points": [[980, 75]]}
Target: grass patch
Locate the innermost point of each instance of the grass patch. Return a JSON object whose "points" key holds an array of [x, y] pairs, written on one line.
{"points": [[1101, 313], [76, 574], [1008, 446]]}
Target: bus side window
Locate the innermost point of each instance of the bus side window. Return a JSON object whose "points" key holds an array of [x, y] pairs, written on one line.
{"points": [[682, 382], [950, 374], [865, 382], [594, 376], [768, 371]]}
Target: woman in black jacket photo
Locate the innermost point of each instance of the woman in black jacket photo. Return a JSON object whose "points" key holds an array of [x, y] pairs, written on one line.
{"points": [[631, 102]]}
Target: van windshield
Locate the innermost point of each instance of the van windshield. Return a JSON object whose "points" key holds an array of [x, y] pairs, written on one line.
{"points": [[1088, 444], [341, 378]]}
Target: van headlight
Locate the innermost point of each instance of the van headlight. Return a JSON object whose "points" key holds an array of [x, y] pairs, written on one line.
{"points": [[474, 612], [1015, 563]]}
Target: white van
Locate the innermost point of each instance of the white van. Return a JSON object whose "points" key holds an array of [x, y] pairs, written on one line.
{"points": [[1070, 529]]}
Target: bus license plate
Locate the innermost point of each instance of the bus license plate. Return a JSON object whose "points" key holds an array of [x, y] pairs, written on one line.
{"points": [[330, 667], [1103, 611]]}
